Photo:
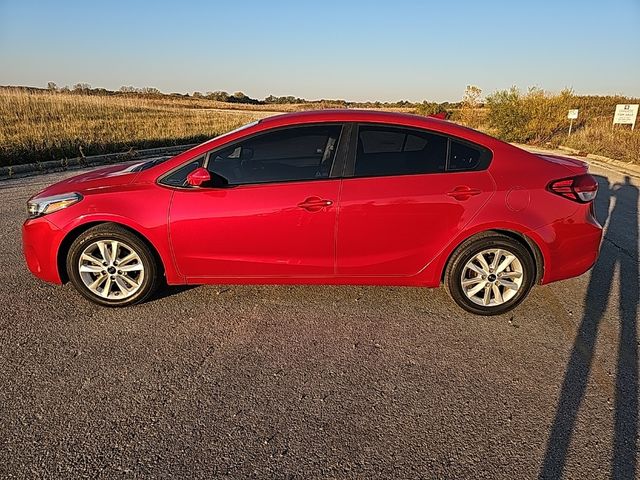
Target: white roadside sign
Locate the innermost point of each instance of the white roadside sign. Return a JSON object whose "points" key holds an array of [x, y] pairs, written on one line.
{"points": [[572, 115], [626, 114]]}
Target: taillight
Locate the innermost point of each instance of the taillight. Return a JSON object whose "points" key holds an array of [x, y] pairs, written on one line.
{"points": [[582, 188]]}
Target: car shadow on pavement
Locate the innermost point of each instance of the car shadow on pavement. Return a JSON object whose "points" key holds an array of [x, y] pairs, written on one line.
{"points": [[619, 249], [171, 290]]}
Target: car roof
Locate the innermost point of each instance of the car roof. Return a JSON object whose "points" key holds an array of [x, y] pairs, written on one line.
{"points": [[349, 115], [376, 116]]}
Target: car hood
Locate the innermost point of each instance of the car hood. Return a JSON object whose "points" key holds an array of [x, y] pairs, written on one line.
{"points": [[114, 175]]}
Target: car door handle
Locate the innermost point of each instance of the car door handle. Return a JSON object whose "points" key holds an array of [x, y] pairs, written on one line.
{"points": [[313, 204], [463, 192]]}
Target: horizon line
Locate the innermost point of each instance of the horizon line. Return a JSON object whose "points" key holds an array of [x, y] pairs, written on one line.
{"points": [[157, 91]]}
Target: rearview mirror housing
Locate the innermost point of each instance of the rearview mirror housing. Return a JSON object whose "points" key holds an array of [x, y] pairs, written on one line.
{"points": [[198, 177]]}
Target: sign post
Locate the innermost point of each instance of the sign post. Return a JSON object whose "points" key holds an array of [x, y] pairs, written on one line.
{"points": [[572, 115], [626, 114]]}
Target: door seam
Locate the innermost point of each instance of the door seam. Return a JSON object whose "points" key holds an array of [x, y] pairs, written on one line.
{"points": [[335, 229], [171, 249]]}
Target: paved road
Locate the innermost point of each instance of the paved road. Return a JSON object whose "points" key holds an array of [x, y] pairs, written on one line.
{"points": [[334, 382]]}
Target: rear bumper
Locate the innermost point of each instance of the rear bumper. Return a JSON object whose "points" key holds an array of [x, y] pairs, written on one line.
{"points": [[40, 242], [569, 246]]}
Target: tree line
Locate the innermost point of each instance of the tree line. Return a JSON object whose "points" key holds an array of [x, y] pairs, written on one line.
{"points": [[424, 107]]}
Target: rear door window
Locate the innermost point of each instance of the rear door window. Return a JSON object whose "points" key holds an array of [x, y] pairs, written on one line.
{"points": [[384, 150]]}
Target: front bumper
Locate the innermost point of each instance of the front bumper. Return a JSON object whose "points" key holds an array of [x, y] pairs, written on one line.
{"points": [[40, 244]]}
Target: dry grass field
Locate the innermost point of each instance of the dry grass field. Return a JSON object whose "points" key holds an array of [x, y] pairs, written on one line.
{"points": [[602, 138], [41, 125], [45, 126]]}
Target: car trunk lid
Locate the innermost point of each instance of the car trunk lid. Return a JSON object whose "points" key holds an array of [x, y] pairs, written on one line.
{"points": [[572, 164]]}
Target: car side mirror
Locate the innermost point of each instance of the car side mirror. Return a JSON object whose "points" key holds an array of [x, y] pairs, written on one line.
{"points": [[198, 177]]}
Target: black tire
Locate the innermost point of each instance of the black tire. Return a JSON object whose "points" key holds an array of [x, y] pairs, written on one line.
{"points": [[151, 279], [472, 247]]}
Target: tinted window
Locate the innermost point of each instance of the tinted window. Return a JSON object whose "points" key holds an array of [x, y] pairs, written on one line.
{"points": [[386, 150], [464, 157], [178, 178], [301, 153]]}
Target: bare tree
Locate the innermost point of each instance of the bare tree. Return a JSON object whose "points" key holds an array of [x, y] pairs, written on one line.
{"points": [[81, 87], [471, 104]]}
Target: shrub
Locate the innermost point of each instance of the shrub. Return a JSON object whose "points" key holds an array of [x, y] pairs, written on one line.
{"points": [[430, 108], [540, 117], [535, 117]]}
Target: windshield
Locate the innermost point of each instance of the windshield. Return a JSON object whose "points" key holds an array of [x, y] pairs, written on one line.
{"points": [[158, 160], [243, 127], [150, 163]]}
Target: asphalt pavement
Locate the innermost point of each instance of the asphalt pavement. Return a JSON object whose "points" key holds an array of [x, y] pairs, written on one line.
{"points": [[322, 382]]}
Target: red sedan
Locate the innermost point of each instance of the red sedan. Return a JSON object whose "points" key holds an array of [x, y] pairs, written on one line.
{"points": [[323, 197]]}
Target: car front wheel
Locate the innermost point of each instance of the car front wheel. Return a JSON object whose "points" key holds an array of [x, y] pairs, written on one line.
{"points": [[490, 274], [113, 267]]}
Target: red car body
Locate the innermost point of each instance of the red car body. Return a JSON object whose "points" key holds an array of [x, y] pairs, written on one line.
{"points": [[393, 230]]}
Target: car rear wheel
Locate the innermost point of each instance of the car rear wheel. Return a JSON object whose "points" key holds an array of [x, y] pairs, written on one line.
{"points": [[490, 274], [112, 267]]}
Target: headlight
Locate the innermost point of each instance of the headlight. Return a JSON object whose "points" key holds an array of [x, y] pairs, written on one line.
{"points": [[45, 205]]}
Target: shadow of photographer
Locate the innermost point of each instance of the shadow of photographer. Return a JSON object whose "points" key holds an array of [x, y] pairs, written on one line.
{"points": [[619, 249]]}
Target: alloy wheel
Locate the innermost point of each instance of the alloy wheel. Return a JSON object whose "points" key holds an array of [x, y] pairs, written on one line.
{"points": [[111, 269], [492, 277]]}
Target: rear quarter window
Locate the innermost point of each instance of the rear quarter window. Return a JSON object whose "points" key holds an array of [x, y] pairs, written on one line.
{"points": [[467, 157]]}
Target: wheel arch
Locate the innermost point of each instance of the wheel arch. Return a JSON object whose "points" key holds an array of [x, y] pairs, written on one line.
{"points": [[523, 239], [78, 230]]}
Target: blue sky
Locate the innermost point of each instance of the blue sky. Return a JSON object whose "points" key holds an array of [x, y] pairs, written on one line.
{"points": [[356, 50]]}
